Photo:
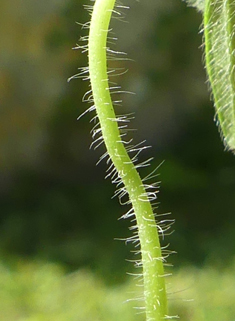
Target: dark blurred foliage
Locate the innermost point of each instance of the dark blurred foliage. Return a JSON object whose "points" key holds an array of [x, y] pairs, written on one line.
{"points": [[55, 203]]}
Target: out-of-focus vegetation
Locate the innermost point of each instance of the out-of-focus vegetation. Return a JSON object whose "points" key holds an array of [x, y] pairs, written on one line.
{"points": [[55, 204], [42, 291]]}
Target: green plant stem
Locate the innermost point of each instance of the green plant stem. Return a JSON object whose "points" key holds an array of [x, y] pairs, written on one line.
{"points": [[152, 261], [219, 32]]}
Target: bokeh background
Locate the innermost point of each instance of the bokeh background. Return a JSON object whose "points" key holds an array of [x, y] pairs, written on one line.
{"points": [[57, 219]]}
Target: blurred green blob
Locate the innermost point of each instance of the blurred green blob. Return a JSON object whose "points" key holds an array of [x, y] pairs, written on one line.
{"points": [[37, 291], [199, 4]]}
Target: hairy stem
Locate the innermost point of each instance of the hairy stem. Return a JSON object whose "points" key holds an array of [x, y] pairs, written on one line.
{"points": [[219, 32], [152, 261]]}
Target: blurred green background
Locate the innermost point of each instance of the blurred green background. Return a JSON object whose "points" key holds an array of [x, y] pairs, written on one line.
{"points": [[55, 206]]}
